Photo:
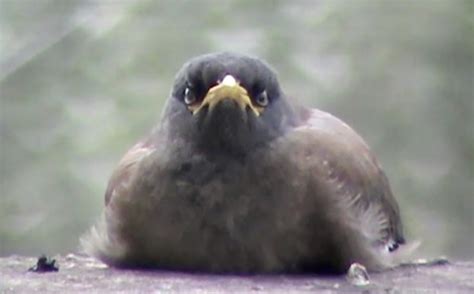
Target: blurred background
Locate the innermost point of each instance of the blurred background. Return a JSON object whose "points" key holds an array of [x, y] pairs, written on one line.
{"points": [[81, 81]]}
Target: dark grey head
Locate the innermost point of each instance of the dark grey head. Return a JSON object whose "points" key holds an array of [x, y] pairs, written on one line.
{"points": [[227, 103]]}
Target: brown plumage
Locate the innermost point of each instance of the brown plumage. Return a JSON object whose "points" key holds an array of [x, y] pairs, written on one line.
{"points": [[238, 178]]}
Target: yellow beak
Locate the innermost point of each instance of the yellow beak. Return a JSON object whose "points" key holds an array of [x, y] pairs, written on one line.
{"points": [[228, 88]]}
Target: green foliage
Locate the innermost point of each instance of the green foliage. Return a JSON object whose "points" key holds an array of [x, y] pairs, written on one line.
{"points": [[81, 81]]}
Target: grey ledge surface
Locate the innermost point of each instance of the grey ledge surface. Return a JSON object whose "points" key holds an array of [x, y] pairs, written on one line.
{"points": [[81, 274]]}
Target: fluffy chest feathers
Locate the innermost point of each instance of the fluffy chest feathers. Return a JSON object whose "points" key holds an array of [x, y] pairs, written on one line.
{"points": [[276, 209]]}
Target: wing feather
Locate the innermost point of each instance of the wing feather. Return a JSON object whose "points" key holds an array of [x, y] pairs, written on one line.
{"points": [[354, 171], [101, 241], [121, 180]]}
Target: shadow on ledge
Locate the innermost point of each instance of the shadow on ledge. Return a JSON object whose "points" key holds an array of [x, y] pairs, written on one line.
{"points": [[81, 274]]}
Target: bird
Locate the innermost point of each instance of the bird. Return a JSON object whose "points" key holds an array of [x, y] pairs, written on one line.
{"points": [[237, 177]]}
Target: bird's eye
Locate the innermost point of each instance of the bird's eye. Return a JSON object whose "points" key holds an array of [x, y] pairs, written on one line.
{"points": [[189, 96], [262, 99]]}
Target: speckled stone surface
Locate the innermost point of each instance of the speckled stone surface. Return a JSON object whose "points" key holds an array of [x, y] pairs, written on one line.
{"points": [[80, 274]]}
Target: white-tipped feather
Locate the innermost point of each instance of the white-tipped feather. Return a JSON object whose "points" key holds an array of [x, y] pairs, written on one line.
{"points": [[372, 224], [98, 243]]}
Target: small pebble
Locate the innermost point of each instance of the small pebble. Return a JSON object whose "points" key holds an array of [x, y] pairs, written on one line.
{"points": [[357, 275]]}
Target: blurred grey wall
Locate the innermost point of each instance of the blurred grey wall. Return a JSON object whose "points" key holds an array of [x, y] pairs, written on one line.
{"points": [[81, 81]]}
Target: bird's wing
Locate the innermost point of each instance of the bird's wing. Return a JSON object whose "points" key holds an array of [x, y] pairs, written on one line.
{"points": [[121, 180], [352, 169], [102, 240]]}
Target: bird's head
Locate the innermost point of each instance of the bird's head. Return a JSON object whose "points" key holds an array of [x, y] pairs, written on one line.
{"points": [[228, 103]]}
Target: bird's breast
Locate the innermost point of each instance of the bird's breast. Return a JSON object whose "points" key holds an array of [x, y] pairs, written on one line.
{"points": [[265, 212], [245, 214]]}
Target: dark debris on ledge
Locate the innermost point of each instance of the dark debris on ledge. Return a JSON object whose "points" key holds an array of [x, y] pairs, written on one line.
{"points": [[44, 265]]}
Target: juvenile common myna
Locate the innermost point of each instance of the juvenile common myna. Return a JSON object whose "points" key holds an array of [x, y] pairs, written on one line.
{"points": [[237, 178]]}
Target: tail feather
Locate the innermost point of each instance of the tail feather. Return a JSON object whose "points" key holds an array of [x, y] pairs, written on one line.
{"points": [[98, 243], [402, 254]]}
